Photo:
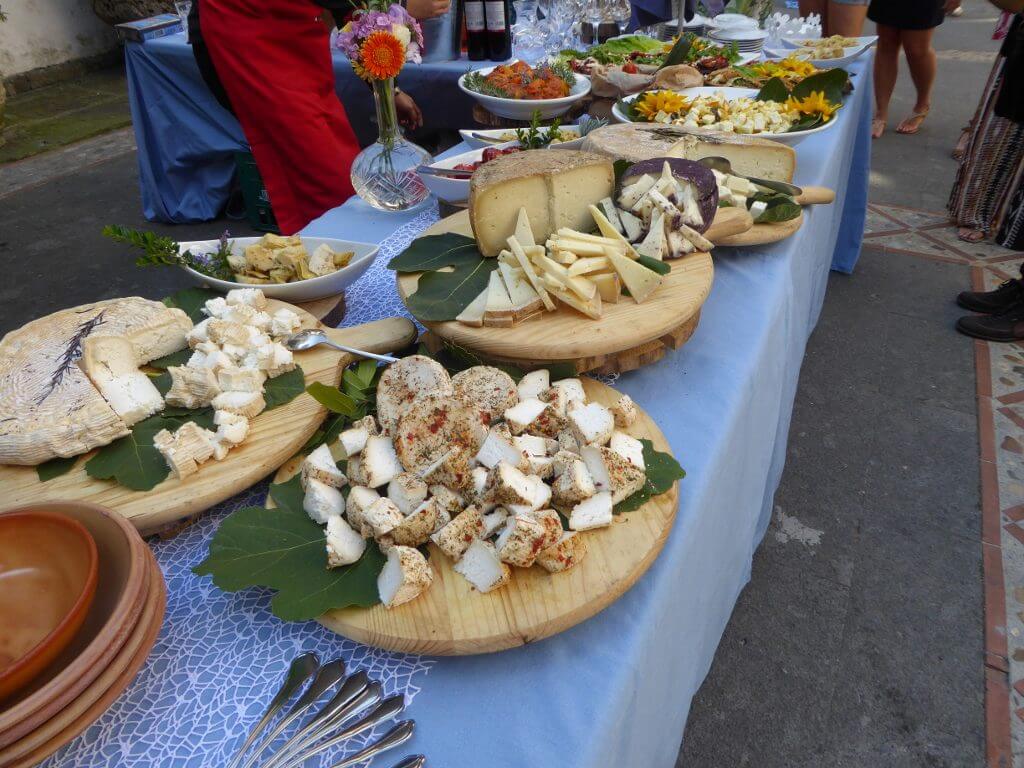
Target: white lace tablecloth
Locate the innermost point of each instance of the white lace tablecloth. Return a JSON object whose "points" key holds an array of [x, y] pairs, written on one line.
{"points": [[220, 657]]}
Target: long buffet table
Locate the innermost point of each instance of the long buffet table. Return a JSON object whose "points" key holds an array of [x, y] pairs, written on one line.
{"points": [[616, 690]]}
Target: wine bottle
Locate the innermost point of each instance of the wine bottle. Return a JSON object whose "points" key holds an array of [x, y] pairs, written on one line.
{"points": [[476, 30], [499, 30]]}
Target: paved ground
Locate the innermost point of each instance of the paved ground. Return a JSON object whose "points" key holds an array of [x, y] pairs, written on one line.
{"points": [[859, 641]]}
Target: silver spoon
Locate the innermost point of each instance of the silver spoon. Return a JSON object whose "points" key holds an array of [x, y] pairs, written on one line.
{"points": [[350, 692], [386, 710], [327, 677], [400, 734], [722, 165], [302, 668], [313, 337], [413, 761]]}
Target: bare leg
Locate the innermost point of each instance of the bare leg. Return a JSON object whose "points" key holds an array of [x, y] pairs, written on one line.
{"points": [[820, 7], [846, 20], [917, 44], [887, 65]]}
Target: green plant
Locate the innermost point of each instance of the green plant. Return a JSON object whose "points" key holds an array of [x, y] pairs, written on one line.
{"points": [[160, 251]]}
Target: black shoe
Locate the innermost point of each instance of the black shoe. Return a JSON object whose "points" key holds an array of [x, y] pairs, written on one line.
{"points": [[1007, 326], [993, 302]]}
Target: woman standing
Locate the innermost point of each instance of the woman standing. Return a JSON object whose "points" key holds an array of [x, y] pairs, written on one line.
{"points": [[838, 17], [906, 24]]}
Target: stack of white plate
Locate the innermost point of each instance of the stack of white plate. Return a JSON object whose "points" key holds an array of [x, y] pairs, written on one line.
{"points": [[747, 39]]}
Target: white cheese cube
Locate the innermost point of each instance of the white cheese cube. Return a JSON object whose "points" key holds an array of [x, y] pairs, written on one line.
{"points": [[573, 485], [382, 517], [493, 522], [591, 424], [353, 440], [404, 576], [231, 428], [507, 485], [344, 545], [360, 499], [595, 512], [320, 465], [533, 383], [496, 449], [628, 447], [454, 539], [481, 567], [625, 412], [322, 501], [521, 540], [407, 492], [379, 461]]}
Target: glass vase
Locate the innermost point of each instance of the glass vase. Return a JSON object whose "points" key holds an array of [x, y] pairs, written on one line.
{"points": [[384, 174]]}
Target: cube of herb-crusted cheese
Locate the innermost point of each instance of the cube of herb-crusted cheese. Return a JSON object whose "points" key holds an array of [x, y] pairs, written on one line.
{"points": [[573, 485], [379, 461], [407, 491], [454, 539], [593, 512], [507, 485], [382, 517], [494, 521], [404, 577], [353, 440], [591, 424], [497, 448], [344, 545], [534, 416], [570, 549], [322, 501], [521, 540], [320, 465], [360, 499], [417, 527], [481, 567], [625, 412], [448, 500], [628, 447], [562, 392]]}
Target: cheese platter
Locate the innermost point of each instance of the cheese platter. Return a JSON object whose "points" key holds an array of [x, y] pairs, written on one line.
{"points": [[493, 575], [86, 416]]}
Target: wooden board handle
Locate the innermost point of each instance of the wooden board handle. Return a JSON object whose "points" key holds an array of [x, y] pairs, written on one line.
{"points": [[728, 221], [385, 335], [816, 196]]}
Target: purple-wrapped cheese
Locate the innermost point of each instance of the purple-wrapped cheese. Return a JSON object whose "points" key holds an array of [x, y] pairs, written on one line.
{"points": [[699, 177]]}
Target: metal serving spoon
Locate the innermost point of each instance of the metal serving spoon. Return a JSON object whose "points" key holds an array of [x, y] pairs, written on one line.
{"points": [[302, 668], [313, 337], [327, 677], [386, 710], [722, 165], [413, 761], [400, 734]]}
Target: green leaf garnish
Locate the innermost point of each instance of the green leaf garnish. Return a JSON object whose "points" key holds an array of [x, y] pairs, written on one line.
{"points": [[133, 461], [55, 468], [773, 90], [282, 549], [284, 388], [432, 252], [332, 399], [780, 208], [662, 471], [442, 296], [160, 251], [174, 359], [191, 301]]}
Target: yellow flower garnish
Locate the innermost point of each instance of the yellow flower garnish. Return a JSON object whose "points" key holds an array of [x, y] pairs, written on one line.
{"points": [[815, 104], [788, 67], [653, 102]]}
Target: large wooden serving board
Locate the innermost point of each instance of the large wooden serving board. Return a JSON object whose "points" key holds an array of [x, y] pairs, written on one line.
{"points": [[627, 336], [274, 437], [452, 619]]}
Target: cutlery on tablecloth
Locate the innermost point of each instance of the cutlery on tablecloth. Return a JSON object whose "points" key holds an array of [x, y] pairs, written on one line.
{"points": [[389, 708], [327, 677], [302, 668], [400, 734], [355, 694], [310, 338], [413, 761]]}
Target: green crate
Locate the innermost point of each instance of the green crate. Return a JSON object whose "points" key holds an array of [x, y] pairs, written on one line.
{"points": [[257, 204]]}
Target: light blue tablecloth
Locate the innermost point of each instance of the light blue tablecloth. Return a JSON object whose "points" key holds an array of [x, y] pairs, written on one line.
{"points": [[615, 690], [186, 139]]}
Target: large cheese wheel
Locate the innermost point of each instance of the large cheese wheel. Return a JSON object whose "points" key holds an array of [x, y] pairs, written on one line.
{"points": [[749, 155], [555, 186]]}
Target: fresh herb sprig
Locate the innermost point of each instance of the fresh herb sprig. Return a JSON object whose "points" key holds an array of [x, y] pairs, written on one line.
{"points": [[536, 136], [158, 251]]}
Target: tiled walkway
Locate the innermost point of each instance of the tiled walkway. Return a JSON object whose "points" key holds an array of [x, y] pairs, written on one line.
{"points": [[1000, 382]]}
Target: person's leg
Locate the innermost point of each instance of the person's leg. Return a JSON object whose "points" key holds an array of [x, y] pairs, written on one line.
{"points": [[846, 19], [820, 7], [887, 63], [917, 44]]}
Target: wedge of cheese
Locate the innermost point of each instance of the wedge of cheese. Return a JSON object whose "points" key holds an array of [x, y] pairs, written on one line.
{"points": [[555, 189], [749, 155], [640, 280], [499, 310], [473, 314]]}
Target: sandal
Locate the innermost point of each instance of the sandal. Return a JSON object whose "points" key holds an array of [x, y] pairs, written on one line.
{"points": [[912, 124], [877, 128], [969, 235]]}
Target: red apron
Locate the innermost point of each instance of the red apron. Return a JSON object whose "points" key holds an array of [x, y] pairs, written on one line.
{"points": [[274, 61]]}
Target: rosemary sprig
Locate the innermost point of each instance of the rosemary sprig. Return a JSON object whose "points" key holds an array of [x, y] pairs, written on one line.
{"points": [[160, 251], [534, 137]]}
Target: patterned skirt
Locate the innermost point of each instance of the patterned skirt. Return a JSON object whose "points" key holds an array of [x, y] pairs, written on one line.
{"points": [[988, 193]]}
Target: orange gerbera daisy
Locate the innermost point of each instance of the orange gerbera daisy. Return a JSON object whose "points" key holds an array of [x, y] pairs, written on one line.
{"points": [[382, 55]]}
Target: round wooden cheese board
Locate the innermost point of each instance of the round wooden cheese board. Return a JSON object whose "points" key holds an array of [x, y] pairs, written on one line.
{"points": [[628, 335], [274, 437], [452, 619]]}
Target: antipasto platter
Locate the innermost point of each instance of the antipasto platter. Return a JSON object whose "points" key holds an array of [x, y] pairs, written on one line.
{"points": [[130, 404]]}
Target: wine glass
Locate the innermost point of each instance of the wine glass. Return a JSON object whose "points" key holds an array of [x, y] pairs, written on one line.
{"points": [[593, 15]]}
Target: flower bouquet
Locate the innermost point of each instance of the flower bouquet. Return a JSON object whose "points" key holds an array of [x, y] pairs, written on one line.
{"points": [[378, 43]]}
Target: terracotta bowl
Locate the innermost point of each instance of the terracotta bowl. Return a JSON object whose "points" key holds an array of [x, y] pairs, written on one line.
{"points": [[122, 585], [48, 574]]}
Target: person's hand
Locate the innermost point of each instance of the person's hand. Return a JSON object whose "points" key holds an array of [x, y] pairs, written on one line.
{"points": [[409, 115], [427, 9]]}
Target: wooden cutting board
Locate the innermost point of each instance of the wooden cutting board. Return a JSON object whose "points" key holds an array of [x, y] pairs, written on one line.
{"points": [[763, 234], [627, 336], [274, 437], [451, 619]]}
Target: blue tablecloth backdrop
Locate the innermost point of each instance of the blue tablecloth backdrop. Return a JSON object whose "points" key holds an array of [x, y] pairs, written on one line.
{"points": [[186, 139], [615, 690]]}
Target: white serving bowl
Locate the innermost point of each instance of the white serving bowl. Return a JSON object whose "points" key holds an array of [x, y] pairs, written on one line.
{"points": [[470, 137], [523, 109], [851, 54], [302, 290], [453, 190], [732, 93]]}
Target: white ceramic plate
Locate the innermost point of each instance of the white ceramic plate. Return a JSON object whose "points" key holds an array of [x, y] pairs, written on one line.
{"points": [[776, 53], [470, 137], [738, 35], [450, 189], [523, 109], [303, 290], [732, 93]]}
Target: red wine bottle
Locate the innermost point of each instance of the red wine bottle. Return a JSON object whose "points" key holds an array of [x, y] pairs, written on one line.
{"points": [[499, 30], [476, 30]]}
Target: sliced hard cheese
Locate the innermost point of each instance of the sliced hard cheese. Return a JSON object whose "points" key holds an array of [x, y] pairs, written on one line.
{"points": [[654, 245], [640, 280], [591, 308], [473, 314], [499, 309], [749, 155], [530, 272], [609, 287], [48, 406], [609, 231], [525, 300], [524, 232], [555, 189]]}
